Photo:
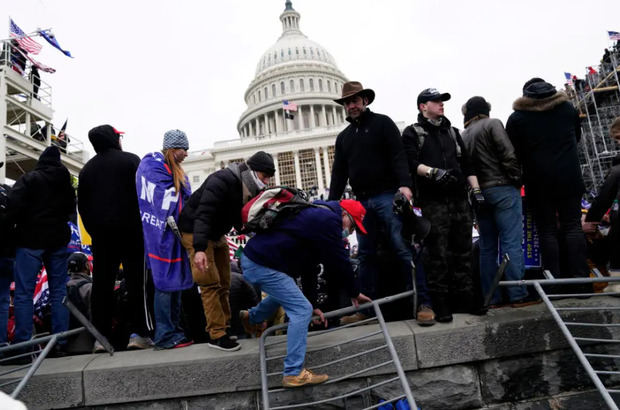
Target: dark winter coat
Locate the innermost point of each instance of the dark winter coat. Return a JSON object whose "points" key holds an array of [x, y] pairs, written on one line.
{"points": [[544, 133], [6, 231], [492, 155], [609, 192], [107, 199], [215, 207], [439, 151], [369, 153], [41, 203], [299, 244]]}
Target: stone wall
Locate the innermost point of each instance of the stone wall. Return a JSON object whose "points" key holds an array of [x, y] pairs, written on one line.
{"points": [[509, 359]]}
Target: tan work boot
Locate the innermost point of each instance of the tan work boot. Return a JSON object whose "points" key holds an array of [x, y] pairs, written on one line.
{"points": [[425, 316], [305, 377], [354, 318], [251, 329]]}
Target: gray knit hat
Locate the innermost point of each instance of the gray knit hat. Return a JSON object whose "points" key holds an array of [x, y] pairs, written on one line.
{"points": [[175, 139]]}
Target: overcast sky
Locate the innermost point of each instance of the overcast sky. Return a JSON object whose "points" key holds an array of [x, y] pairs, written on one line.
{"points": [[149, 66]]}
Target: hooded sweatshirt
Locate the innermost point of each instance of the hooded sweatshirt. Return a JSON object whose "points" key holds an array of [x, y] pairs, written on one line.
{"points": [[107, 198], [41, 203]]}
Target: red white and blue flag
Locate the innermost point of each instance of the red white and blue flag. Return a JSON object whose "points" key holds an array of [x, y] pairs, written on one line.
{"points": [[569, 78], [614, 35], [41, 295], [25, 42], [289, 106]]}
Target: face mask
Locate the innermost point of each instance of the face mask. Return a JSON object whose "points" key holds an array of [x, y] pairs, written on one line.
{"points": [[345, 233], [260, 184]]}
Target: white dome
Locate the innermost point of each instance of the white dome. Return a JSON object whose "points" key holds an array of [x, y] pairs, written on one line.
{"points": [[293, 47]]}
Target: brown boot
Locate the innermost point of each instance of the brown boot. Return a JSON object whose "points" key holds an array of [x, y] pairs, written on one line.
{"points": [[354, 318], [251, 329], [425, 316], [305, 377]]}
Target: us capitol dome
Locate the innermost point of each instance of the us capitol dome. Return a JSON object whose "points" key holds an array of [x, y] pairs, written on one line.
{"points": [[302, 72]]}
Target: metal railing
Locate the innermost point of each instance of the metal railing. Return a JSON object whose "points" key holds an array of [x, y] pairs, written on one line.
{"points": [[564, 325], [369, 332], [25, 349]]}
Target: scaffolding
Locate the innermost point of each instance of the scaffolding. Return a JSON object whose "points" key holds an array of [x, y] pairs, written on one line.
{"points": [[26, 120], [597, 98]]}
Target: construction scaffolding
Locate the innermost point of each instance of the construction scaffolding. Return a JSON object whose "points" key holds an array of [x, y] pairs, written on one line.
{"points": [[597, 98]]}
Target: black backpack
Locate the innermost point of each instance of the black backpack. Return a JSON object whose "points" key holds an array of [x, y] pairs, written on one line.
{"points": [[73, 294]]}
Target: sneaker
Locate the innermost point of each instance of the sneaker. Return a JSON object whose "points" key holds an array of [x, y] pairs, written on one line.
{"points": [[138, 342], [183, 343], [98, 347], [251, 329], [305, 377], [425, 316], [224, 343], [354, 318], [527, 301]]}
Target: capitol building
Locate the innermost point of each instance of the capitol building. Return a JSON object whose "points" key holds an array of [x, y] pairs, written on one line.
{"points": [[301, 71]]}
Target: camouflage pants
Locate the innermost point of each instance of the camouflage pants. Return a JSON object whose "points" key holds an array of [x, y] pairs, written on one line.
{"points": [[447, 250]]}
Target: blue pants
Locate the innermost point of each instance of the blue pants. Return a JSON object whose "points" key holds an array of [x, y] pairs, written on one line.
{"points": [[500, 222], [6, 277], [282, 291], [380, 213], [28, 263], [167, 306]]}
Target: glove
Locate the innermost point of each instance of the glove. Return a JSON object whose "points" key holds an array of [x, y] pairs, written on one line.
{"points": [[476, 193], [400, 203], [441, 176]]}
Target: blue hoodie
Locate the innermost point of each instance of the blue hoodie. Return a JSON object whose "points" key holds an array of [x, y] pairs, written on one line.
{"points": [[298, 244]]}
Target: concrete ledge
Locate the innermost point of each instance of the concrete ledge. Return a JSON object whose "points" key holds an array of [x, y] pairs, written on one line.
{"points": [[470, 363]]}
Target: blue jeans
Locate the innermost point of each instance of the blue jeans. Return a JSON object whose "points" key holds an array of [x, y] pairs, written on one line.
{"points": [[500, 221], [380, 213], [28, 263], [6, 277], [167, 306], [282, 291]]}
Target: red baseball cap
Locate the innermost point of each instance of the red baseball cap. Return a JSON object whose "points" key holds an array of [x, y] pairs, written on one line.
{"points": [[117, 131], [356, 210]]}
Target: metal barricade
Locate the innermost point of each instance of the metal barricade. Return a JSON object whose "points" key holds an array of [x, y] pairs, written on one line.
{"points": [[25, 349], [368, 331], [578, 338]]}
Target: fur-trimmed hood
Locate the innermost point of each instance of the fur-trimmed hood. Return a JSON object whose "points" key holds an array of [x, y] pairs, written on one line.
{"points": [[539, 104]]}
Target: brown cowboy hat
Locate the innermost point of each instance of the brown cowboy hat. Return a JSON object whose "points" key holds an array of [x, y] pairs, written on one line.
{"points": [[352, 88]]}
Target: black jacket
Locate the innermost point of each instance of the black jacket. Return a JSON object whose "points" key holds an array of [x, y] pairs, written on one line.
{"points": [[545, 132], [492, 154], [439, 151], [107, 198], [6, 231], [609, 192], [40, 205], [215, 207], [369, 153]]}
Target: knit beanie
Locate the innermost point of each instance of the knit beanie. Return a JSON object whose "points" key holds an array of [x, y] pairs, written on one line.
{"points": [[175, 139], [51, 156], [475, 106], [538, 88], [614, 130], [262, 162]]}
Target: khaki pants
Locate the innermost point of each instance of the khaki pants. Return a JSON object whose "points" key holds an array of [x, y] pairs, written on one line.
{"points": [[214, 283]]}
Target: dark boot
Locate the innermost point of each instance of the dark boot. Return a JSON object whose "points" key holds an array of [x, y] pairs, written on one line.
{"points": [[443, 312]]}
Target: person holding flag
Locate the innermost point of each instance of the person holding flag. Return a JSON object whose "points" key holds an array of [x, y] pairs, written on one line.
{"points": [[163, 188]]}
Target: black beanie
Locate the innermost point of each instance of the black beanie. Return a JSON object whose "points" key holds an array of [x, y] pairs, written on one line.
{"points": [[262, 162], [475, 106], [538, 88], [51, 156]]}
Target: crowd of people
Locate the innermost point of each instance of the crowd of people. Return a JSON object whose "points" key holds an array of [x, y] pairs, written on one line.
{"points": [[171, 243]]}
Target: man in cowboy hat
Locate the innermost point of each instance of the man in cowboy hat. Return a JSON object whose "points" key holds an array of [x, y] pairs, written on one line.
{"points": [[370, 155]]}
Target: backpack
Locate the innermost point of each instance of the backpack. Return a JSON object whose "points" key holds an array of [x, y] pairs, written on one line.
{"points": [[73, 294], [271, 206], [421, 132]]}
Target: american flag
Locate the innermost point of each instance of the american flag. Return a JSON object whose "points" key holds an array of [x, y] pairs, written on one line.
{"points": [[569, 78], [232, 247], [614, 35], [22, 39], [289, 105], [41, 295]]}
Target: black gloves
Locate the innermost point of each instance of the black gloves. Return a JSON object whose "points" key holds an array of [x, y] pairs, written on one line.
{"points": [[441, 176], [477, 196]]}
